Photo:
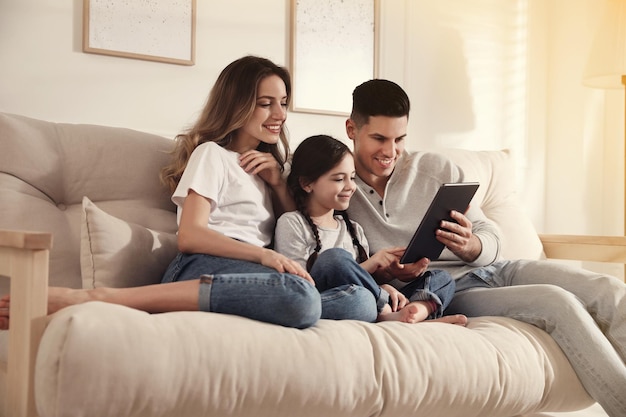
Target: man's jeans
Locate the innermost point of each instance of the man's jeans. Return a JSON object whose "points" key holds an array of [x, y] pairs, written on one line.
{"points": [[584, 312]]}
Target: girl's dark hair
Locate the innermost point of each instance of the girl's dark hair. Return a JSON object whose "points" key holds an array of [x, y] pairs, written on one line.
{"points": [[314, 157]]}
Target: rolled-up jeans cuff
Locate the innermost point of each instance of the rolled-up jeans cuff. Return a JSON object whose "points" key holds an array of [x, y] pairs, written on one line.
{"points": [[204, 293], [383, 299]]}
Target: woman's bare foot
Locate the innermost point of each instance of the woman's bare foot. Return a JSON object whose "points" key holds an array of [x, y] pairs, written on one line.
{"points": [[4, 312], [58, 298]]}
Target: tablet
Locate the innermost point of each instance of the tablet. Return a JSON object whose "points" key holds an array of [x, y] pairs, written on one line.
{"points": [[424, 243]]}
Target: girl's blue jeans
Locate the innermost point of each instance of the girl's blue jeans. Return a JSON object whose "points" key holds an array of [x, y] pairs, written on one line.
{"points": [[435, 285], [336, 267]]}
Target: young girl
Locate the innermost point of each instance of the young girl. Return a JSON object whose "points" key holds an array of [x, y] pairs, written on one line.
{"points": [[226, 175], [320, 233]]}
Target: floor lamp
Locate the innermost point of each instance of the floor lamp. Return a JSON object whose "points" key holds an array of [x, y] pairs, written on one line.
{"points": [[606, 67]]}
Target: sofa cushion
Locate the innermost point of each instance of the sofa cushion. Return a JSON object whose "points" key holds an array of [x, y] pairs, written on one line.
{"points": [[46, 168], [192, 364], [116, 253], [498, 199]]}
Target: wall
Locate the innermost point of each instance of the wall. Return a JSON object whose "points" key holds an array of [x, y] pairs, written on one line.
{"points": [[45, 74], [585, 146], [43, 66], [468, 68]]}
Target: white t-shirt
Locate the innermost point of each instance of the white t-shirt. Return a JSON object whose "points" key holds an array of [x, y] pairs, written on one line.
{"points": [[295, 240], [241, 204]]}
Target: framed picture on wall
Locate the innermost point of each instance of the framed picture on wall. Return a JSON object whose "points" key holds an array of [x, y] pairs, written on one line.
{"points": [[154, 30], [334, 47]]}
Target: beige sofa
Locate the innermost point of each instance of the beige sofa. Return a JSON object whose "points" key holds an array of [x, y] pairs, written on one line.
{"points": [[95, 191]]}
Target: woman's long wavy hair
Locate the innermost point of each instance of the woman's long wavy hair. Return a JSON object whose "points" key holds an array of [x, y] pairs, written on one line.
{"points": [[314, 157], [229, 106]]}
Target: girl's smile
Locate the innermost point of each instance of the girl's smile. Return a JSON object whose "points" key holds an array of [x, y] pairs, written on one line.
{"points": [[333, 190]]}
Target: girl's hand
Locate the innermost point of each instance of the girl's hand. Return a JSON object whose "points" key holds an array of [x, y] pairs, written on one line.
{"points": [[262, 164], [383, 259], [282, 264], [385, 264], [397, 300]]}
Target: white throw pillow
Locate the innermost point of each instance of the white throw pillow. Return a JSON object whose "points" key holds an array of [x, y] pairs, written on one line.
{"points": [[116, 253]]}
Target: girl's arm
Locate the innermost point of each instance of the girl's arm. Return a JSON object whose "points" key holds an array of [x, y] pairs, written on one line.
{"points": [[292, 238], [195, 237], [383, 259]]}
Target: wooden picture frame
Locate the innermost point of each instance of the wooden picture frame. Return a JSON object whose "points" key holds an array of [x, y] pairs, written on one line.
{"points": [[334, 48], [153, 30]]}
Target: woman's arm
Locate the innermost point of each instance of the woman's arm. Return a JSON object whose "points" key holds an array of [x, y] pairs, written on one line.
{"points": [[282, 199], [194, 236]]}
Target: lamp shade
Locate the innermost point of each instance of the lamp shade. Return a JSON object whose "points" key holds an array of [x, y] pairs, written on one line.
{"points": [[607, 59]]}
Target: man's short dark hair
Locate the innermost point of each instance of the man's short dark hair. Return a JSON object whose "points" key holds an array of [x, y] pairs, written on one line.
{"points": [[378, 98]]}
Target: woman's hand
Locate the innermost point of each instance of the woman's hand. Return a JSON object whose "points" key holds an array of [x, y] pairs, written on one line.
{"points": [[267, 168], [282, 264], [262, 164]]}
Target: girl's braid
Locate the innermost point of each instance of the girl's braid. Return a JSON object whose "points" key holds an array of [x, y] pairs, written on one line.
{"points": [[318, 244], [355, 240]]}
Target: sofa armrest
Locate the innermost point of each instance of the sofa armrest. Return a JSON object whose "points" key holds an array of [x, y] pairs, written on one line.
{"points": [[24, 258], [585, 248]]}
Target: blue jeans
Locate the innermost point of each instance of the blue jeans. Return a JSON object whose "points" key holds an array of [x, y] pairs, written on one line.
{"points": [[251, 290], [584, 312], [335, 268], [435, 285]]}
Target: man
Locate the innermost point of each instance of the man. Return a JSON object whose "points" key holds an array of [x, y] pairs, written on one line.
{"points": [[394, 190]]}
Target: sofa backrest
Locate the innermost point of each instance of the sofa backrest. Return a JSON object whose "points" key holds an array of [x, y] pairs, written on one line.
{"points": [[47, 168], [498, 199]]}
